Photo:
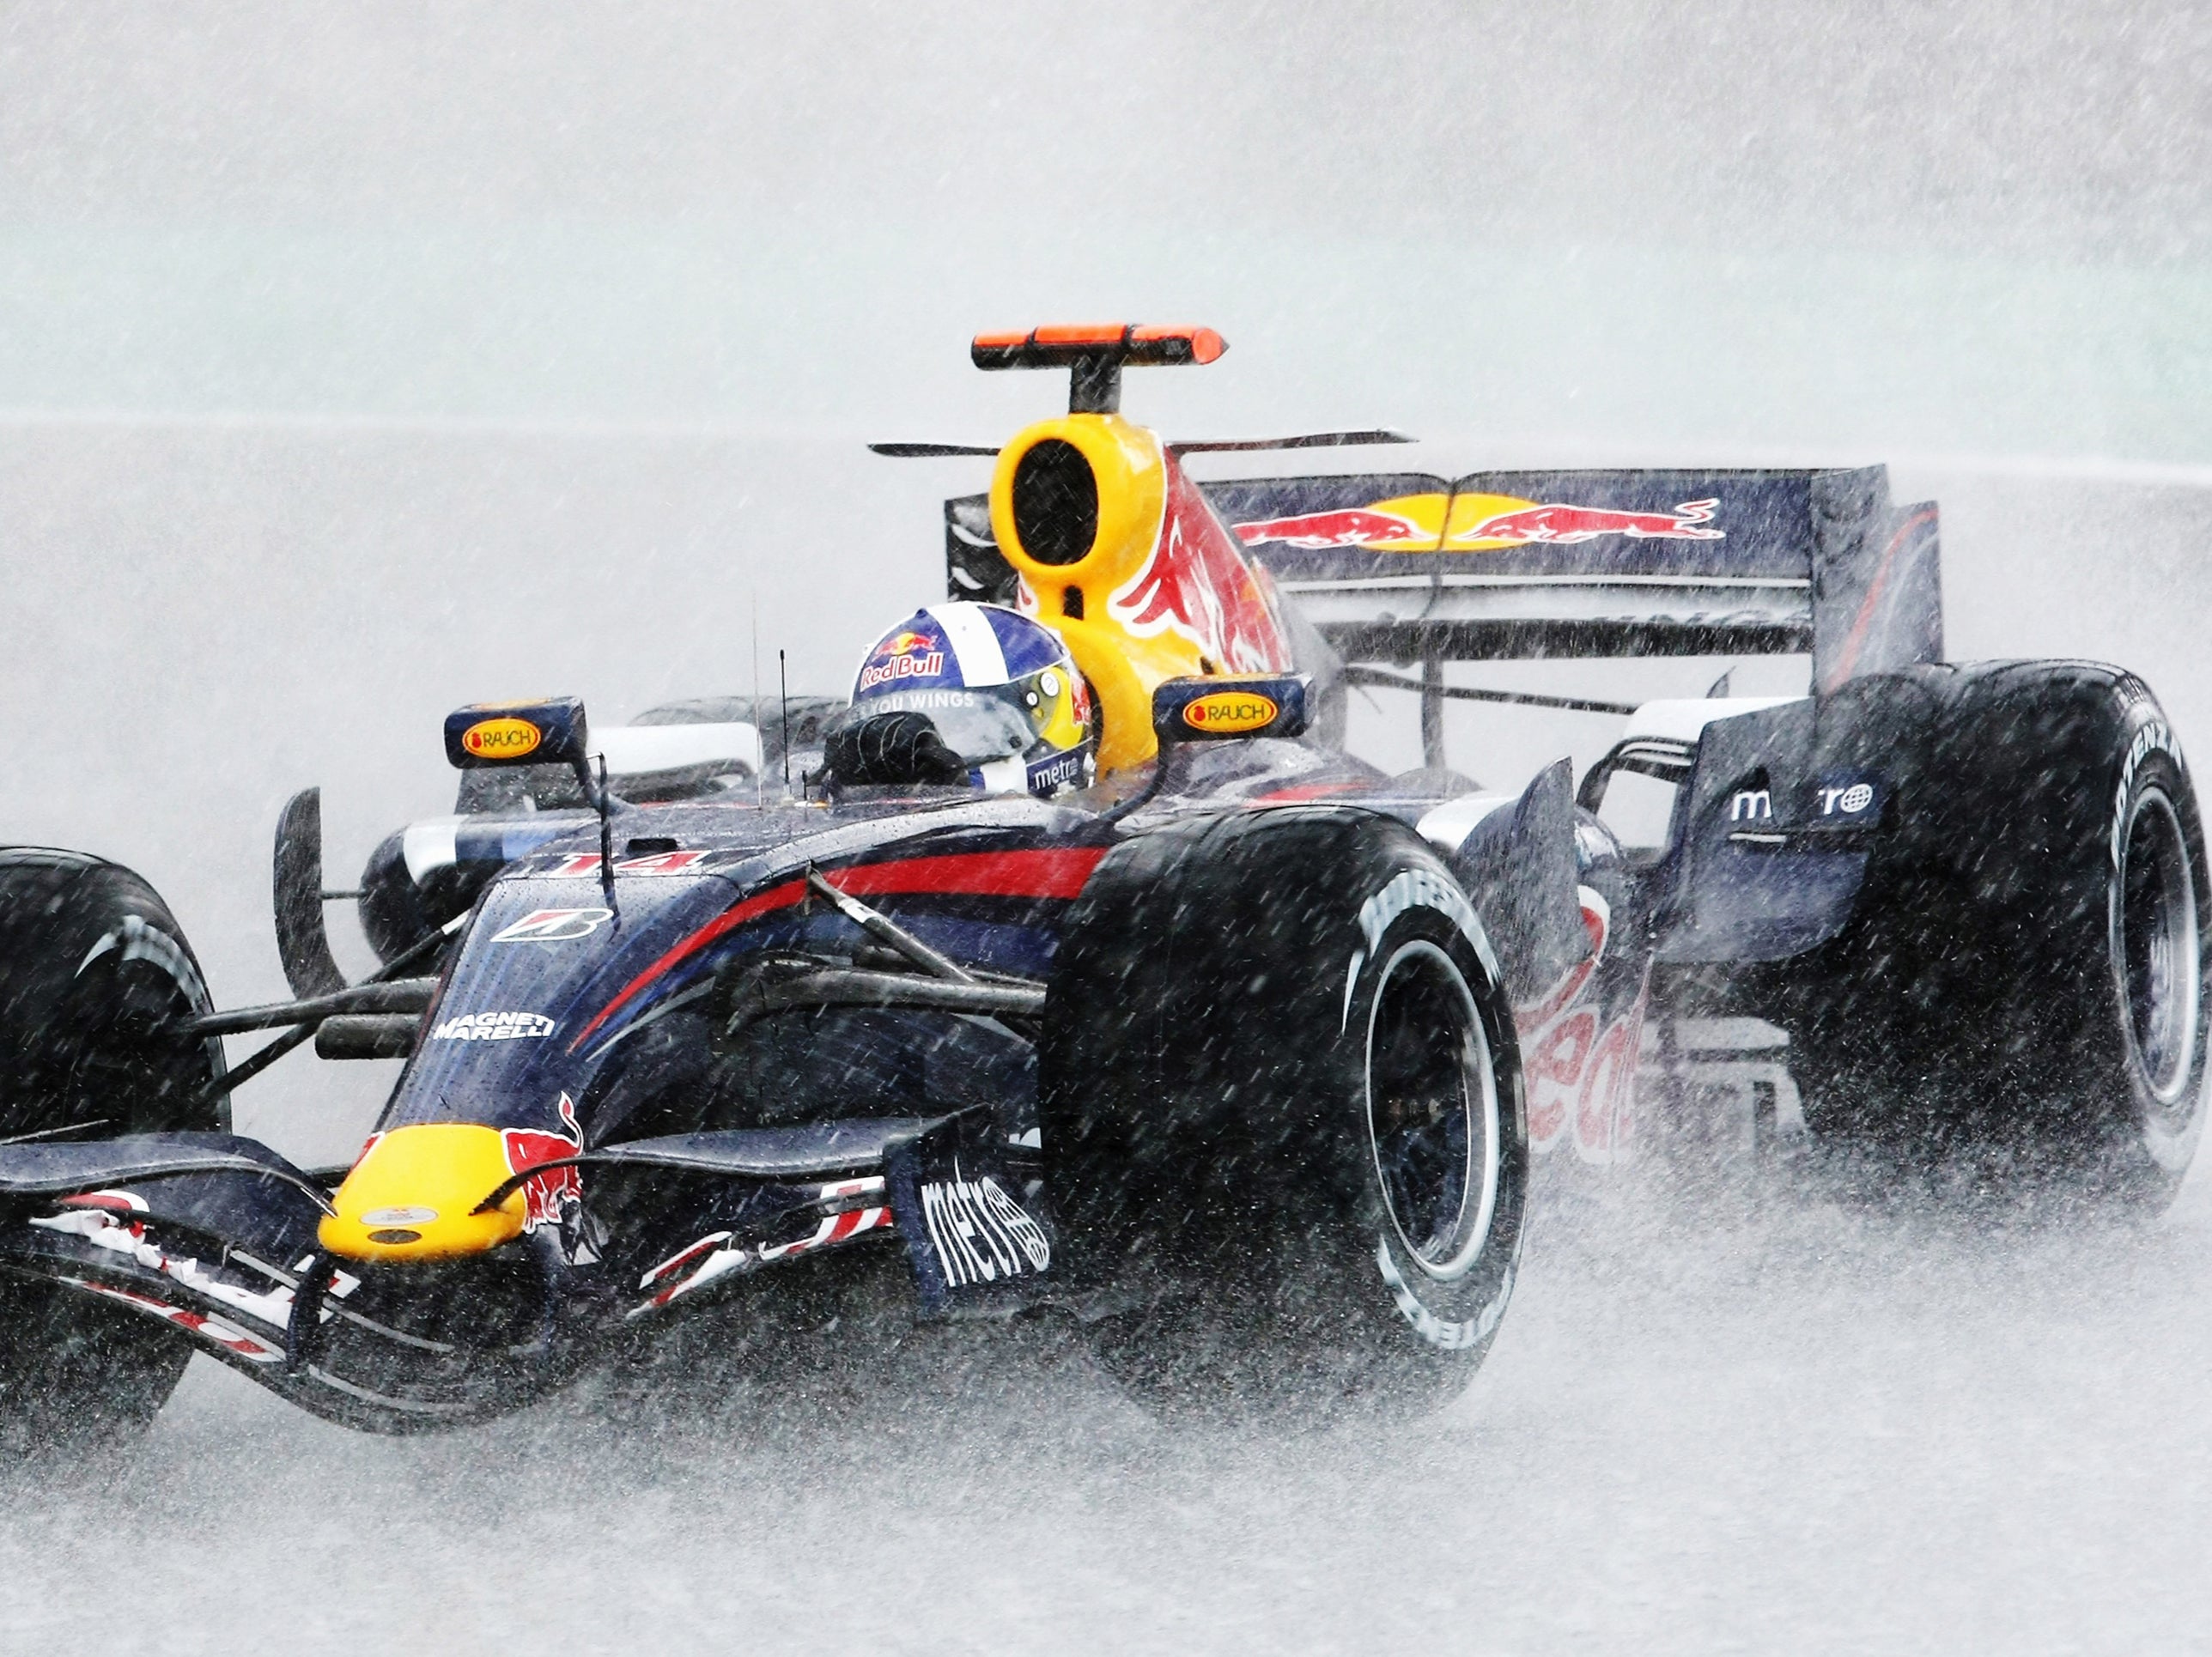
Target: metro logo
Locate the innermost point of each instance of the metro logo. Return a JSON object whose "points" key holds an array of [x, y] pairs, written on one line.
{"points": [[1059, 772], [980, 1234], [1227, 712], [501, 738]]}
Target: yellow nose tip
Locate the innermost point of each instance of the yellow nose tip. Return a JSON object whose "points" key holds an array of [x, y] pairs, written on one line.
{"points": [[413, 1196]]}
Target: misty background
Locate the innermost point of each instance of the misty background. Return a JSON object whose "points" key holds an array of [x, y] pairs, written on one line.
{"points": [[360, 361]]}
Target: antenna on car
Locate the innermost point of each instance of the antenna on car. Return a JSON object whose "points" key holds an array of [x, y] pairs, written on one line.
{"points": [[783, 691], [604, 799], [759, 747]]}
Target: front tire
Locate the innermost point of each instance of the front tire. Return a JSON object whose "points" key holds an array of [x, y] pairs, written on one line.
{"points": [[1282, 1101], [91, 962]]}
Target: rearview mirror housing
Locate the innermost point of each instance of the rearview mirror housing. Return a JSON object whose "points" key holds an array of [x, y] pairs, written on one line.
{"points": [[1225, 709], [547, 732]]}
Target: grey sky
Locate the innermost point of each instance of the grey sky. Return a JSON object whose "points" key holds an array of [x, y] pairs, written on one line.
{"points": [[1975, 227]]}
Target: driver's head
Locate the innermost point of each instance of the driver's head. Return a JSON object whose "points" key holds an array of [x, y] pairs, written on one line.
{"points": [[967, 693]]}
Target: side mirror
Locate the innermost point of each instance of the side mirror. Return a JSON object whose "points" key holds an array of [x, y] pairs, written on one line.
{"points": [[1221, 710], [547, 732]]}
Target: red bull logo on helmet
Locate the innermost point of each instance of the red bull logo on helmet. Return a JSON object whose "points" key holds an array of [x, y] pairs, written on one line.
{"points": [[906, 654]]}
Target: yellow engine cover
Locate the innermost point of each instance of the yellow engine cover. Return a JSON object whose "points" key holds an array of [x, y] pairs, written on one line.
{"points": [[1163, 590]]}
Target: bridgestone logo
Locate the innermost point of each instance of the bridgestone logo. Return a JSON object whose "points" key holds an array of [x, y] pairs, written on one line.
{"points": [[1450, 1335], [1420, 889], [2154, 738], [981, 1233], [493, 1027]]}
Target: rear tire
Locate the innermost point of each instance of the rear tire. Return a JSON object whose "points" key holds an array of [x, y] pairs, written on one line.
{"points": [[2024, 1010], [1282, 1103], [91, 963]]}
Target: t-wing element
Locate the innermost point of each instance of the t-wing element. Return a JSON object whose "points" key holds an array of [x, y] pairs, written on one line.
{"points": [[1302, 440], [1179, 446], [1094, 353], [931, 451]]}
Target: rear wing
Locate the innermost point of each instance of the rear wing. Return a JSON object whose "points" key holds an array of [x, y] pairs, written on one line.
{"points": [[1405, 568]]}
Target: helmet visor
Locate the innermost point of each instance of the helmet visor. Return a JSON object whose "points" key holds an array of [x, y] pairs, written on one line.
{"points": [[981, 726]]}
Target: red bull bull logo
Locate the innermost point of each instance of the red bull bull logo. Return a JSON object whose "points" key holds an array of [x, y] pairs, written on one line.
{"points": [[1196, 585], [1476, 522], [544, 1197], [1564, 525], [1314, 531]]}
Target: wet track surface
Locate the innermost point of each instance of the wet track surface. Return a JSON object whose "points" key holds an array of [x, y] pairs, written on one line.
{"points": [[1814, 1429], [358, 366]]}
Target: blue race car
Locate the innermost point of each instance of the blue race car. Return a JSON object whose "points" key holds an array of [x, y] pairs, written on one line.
{"points": [[1078, 971]]}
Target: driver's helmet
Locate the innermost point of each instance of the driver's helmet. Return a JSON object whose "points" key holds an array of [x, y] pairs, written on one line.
{"points": [[1001, 689]]}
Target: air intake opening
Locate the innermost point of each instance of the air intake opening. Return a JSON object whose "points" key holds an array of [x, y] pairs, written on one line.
{"points": [[1055, 502]]}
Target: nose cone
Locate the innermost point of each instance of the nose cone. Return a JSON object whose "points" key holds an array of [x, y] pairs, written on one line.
{"points": [[414, 1193]]}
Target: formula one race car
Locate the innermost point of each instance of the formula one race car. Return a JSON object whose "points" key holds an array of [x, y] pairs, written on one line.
{"points": [[1080, 970]]}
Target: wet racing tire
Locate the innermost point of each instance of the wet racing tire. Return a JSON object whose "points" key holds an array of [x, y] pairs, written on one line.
{"points": [[2026, 1002], [1282, 1109], [91, 963]]}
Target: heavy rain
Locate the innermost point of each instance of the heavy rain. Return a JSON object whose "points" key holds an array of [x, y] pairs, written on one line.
{"points": [[359, 362]]}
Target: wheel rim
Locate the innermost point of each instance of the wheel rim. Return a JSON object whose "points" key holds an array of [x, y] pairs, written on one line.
{"points": [[1433, 1110], [2162, 974]]}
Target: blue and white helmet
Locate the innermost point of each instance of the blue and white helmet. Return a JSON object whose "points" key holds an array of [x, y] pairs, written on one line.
{"points": [[1000, 688]]}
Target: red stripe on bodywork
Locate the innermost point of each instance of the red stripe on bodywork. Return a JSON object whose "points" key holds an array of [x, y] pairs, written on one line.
{"points": [[1060, 873], [1306, 791]]}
